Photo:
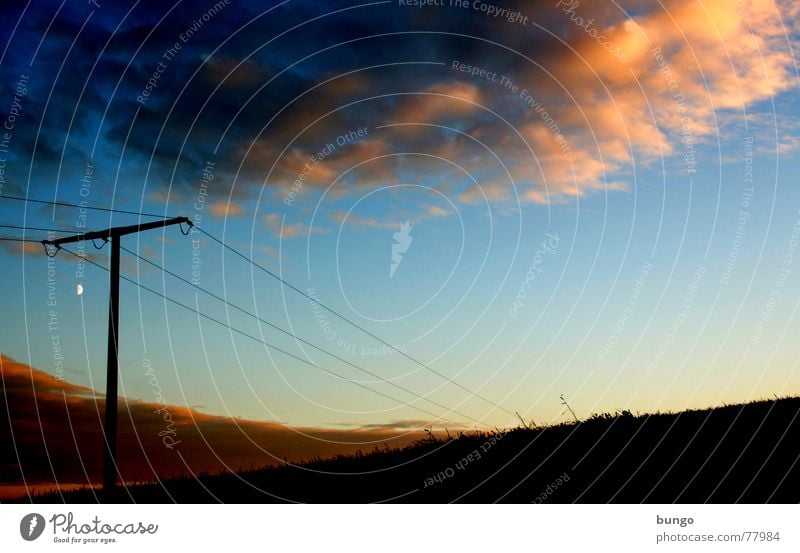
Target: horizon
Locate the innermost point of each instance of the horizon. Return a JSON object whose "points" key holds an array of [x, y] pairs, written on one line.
{"points": [[404, 217], [160, 429]]}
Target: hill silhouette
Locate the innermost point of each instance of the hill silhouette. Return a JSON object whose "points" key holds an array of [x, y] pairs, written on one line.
{"points": [[736, 453]]}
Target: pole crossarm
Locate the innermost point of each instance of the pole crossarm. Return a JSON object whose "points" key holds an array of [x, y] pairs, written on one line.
{"points": [[117, 231]]}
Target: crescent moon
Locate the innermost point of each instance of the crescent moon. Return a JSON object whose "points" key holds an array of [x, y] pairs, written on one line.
{"points": [[79, 289]]}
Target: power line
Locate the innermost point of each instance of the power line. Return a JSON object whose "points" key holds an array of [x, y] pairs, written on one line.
{"points": [[33, 240], [10, 239], [267, 344], [94, 208], [298, 338], [42, 229], [292, 287], [352, 323]]}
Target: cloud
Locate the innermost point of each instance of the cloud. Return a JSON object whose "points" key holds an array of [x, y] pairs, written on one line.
{"points": [[268, 250], [588, 119], [391, 222], [439, 102], [164, 197], [714, 55], [359, 221], [497, 190], [166, 239], [56, 428], [225, 209], [233, 73], [407, 424], [279, 229], [22, 248], [436, 211], [36, 252]]}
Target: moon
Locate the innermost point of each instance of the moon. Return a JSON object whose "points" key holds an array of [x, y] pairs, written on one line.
{"points": [[79, 289]]}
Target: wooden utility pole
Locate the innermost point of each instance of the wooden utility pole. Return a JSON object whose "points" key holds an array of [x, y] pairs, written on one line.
{"points": [[112, 235]]}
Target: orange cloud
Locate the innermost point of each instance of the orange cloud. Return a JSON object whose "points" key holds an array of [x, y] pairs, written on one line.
{"points": [[591, 116], [54, 435], [436, 211], [491, 191], [22, 248], [225, 209], [438, 102], [715, 55]]}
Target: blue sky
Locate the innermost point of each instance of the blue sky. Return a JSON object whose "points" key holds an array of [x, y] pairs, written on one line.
{"points": [[479, 174]]}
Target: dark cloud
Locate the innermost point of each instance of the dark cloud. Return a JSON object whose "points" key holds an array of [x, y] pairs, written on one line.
{"points": [[246, 90]]}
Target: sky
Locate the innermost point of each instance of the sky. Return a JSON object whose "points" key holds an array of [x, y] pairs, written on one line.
{"points": [[524, 201]]}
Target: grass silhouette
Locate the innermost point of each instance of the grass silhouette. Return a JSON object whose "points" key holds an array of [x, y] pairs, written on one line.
{"points": [[734, 453]]}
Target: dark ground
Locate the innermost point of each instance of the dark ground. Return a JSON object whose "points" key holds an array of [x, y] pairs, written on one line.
{"points": [[742, 453]]}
